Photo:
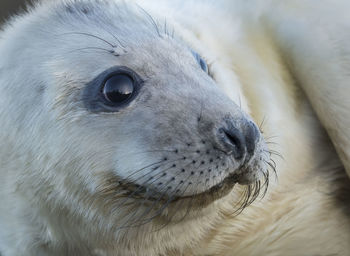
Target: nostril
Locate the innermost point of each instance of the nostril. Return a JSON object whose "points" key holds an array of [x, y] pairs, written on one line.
{"points": [[234, 142], [251, 137], [234, 139], [240, 142]]}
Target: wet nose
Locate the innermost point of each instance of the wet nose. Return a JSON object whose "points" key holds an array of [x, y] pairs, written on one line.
{"points": [[240, 140]]}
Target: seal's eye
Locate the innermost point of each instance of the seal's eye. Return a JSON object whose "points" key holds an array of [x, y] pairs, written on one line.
{"points": [[201, 62], [203, 65], [118, 88]]}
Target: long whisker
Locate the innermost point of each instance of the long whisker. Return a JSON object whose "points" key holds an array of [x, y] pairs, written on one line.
{"points": [[174, 151], [168, 203], [152, 178], [91, 35], [150, 18], [113, 35], [171, 198], [181, 202], [148, 197], [143, 168], [148, 210], [273, 167], [189, 206], [190, 203], [262, 123], [92, 48], [139, 189], [266, 183], [272, 152]]}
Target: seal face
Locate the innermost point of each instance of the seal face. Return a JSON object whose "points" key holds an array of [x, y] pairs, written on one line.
{"points": [[117, 140], [131, 111]]}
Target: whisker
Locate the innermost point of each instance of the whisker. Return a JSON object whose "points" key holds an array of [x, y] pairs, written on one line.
{"points": [[262, 123], [153, 169], [135, 192], [271, 137], [92, 48], [172, 196], [278, 154], [265, 184], [148, 210], [140, 188], [178, 207], [90, 35], [148, 197], [273, 168], [274, 163], [167, 203], [143, 168], [271, 143], [133, 225], [150, 18], [113, 35], [190, 203], [242, 203], [175, 151]]}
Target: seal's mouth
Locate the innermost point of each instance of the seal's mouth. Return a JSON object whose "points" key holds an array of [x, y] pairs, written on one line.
{"points": [[149, 204], [218, 191]]}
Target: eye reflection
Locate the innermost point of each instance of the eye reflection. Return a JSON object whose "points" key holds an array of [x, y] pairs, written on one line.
{"points": [[118, 88]]}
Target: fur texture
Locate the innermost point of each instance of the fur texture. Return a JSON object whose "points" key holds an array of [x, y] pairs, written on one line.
{"points": [[63, 161]]}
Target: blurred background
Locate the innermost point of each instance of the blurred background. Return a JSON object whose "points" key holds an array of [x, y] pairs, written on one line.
{"points": [[9, 7]]}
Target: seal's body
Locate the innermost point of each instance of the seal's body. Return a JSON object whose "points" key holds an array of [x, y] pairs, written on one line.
{"points": [[119, 139]]}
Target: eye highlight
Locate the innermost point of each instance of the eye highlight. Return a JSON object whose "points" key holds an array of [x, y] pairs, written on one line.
{"points": [[112, 90], [202, 63], [118, 88]]}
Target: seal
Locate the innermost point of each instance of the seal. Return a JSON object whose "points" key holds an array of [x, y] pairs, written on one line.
{"points": [[123, 138]]}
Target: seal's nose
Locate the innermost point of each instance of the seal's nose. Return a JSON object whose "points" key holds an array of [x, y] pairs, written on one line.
{"points": [[240, 141]]}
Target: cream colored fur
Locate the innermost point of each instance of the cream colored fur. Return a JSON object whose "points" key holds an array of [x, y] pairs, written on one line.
{"points": [[285, 62]]}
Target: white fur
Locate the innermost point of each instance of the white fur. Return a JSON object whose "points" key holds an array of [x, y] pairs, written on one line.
{"points": [[265, 54]]}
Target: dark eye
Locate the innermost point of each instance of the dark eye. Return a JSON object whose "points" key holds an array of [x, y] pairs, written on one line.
{"points": [[118, 88], [203, 65], [201, 62]]}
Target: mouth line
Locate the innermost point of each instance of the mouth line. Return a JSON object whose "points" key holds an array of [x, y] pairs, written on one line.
{"points": [[211, 194], [217, 191]]}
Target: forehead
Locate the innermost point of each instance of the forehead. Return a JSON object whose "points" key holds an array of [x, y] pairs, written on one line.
{"points": [[96, 35], [121, 23]]}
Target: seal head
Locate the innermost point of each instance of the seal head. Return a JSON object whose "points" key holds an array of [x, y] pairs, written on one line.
{"points": [[123, 108]]}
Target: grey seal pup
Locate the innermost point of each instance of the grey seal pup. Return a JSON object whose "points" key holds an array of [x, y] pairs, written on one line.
{"points": [[126, 131]]}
